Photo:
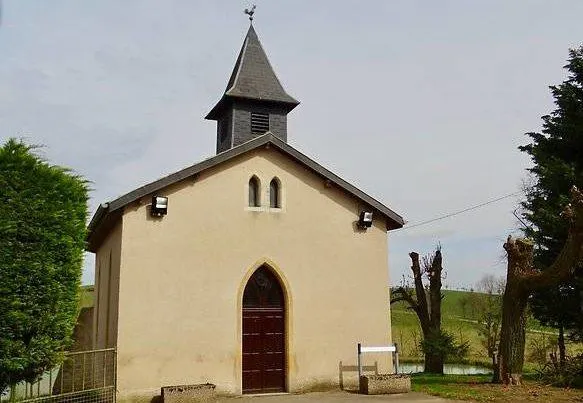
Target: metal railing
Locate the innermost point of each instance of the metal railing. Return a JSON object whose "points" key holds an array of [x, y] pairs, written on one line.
{"points": [[83, 377]]}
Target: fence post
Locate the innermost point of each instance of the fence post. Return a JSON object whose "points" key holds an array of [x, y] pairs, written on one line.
{"points": [[114, 370], [74, 362], [93, 369], [104, 368], [83, 376], [62, 375]]}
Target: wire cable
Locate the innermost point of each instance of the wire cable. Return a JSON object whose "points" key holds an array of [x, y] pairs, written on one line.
{"points": [[465, 210]]}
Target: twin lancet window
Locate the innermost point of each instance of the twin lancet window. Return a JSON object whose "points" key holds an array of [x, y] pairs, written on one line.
{"points": [[255, 193]]}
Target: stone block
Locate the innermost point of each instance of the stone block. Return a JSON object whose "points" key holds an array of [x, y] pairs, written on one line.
{"points": [[200, 393], [385, 384]]}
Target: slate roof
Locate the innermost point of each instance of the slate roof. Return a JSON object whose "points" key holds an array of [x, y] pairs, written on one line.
{"points": [[253, 78], [107, 213]]}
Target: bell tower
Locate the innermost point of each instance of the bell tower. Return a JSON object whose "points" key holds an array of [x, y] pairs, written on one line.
{"points": [[254, 101]]}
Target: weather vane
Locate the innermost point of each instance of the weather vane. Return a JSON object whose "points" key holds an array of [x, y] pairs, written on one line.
{"points": [[250, 12]]}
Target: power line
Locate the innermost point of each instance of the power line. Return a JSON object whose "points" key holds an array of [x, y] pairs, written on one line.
{"points": [[477, 206]]}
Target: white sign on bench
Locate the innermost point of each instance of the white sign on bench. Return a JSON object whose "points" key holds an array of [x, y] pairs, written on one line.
{"points": [[393, 349]]}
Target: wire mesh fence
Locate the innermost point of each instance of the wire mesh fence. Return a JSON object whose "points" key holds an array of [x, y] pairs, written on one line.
{"points": [[83, 377]]}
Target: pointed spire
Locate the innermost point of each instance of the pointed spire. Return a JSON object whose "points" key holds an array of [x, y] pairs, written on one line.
{"points": [[253, 78]]}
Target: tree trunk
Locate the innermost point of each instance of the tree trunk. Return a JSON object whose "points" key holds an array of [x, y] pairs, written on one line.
{"points": [[495, 369], [435, 291], [433, 364], [512, 335], [561, 343], [422, 308]]}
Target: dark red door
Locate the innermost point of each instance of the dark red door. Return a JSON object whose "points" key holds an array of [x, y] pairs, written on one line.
{"points": [[263, 334]]}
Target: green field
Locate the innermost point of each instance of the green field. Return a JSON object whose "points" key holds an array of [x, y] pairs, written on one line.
{"points": [[463, 325], [86, 298]]}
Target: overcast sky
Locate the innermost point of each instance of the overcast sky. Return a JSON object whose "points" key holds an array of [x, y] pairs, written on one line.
{"points": [[421, 104]]}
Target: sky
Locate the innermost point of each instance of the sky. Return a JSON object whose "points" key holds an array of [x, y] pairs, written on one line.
{"points": [[421, 104]]}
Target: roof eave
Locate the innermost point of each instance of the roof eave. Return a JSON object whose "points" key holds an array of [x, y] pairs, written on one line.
{"points": [[95, 224], [226, 100], [216, 111]]}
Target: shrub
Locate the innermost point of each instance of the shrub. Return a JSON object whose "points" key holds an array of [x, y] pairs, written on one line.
{"points": [[445, 345], [571, 375], [42, 239]]}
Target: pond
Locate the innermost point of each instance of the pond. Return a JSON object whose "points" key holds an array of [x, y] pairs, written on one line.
{"points": [[449, 369]]}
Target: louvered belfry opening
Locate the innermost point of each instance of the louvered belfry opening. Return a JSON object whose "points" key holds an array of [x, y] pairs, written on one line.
{"points": [[259, 122], [263, 334]]}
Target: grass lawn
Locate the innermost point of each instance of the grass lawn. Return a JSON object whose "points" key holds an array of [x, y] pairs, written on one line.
{"points": [[478, 388]]}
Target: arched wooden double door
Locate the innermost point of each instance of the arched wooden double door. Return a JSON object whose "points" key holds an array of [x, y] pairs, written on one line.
{"points": [[263, 334]]}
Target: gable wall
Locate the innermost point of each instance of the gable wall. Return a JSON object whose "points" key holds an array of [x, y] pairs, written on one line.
{"points": [[107, 264], [183, 276]]}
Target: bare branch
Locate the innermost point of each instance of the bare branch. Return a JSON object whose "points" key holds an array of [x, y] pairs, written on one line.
{"points": [[403, 294], [397, 299]]}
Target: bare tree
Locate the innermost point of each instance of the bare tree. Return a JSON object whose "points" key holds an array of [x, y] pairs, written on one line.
{"points": [[522, 279], [491, 285], [488, 305], [426, 302]]}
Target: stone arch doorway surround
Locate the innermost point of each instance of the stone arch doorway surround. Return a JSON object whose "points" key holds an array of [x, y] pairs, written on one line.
{"points": [[264, 338]]}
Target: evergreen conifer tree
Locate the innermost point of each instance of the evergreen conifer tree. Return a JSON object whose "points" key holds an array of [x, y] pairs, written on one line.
{"points": [[43, 215]]}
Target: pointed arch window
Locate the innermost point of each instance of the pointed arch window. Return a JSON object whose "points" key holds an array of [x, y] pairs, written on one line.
{"points": [[254, 192], [263, 290], [275, 193]]}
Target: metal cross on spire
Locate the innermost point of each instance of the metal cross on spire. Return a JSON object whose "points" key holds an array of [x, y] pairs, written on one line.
{"points": [[250, 12]]}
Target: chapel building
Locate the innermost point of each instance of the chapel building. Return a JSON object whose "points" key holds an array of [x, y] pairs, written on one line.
{"points": [[257, 270]]}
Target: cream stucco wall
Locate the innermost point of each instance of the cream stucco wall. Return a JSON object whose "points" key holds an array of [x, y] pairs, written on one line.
{"points": [[182, 278], [106, 294]]}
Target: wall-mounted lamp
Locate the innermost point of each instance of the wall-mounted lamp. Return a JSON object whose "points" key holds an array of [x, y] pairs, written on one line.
{"points": [[159, 206], [365, 219]]}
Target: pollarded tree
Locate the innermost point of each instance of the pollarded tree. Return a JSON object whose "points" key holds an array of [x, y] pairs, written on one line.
{"points": [[557, 154], [523, 278], [425, 301], [42, 239]]}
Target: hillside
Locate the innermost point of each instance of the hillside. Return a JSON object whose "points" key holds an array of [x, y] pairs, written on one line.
{"points": [[451, 305]]}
